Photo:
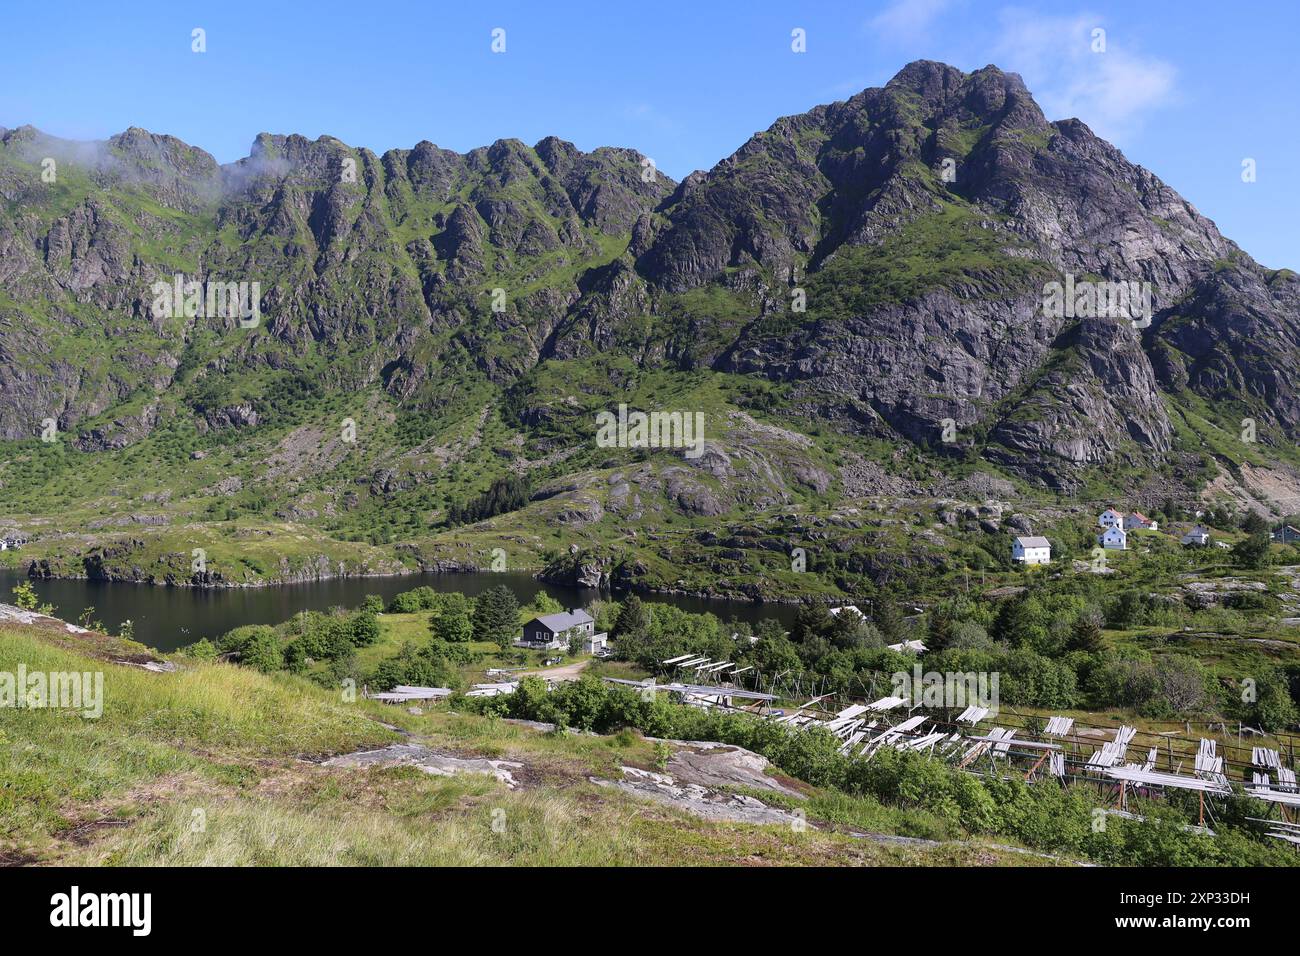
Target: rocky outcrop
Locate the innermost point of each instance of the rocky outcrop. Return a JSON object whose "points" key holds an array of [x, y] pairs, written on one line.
{"points": [[698, 779], [583, 569]]}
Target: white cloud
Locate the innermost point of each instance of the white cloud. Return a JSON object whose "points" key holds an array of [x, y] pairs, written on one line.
{"points": [[908, 19], [1111, 91]]}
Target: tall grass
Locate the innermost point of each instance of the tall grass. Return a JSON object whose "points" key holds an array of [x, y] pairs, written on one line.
{"points": [[532, 829], [199, 721]]}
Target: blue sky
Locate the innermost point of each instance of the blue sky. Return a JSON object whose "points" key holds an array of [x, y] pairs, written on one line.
{"points": [[1188, 89]]}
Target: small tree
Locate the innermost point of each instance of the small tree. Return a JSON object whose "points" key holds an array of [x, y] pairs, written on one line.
{"points": [[812, 620], [1253, 523], [25, 596], [1085, 635], [888, 619], [939, 632], [631, 618], [496, 616], [1252, 552]]}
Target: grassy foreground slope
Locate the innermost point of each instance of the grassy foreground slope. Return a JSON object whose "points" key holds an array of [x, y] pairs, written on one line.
{"points": [[212, 764]]}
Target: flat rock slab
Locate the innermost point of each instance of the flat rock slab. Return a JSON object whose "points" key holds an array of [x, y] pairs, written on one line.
{"points": [[157, 667], [725, 767], [429, 761], [697, 800], [17, 615]]}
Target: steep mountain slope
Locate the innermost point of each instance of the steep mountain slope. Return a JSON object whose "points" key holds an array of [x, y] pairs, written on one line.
{"points": [[849, 286]]}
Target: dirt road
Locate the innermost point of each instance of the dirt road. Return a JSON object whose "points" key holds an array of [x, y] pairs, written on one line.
{"points": [[563, 672]]}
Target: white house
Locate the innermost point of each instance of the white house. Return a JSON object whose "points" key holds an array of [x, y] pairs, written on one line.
{"points": [[1110, 518], [1197, 536], [596, 644], [1031, 550], [837, 611], [1136, 520], [1114, 539]]}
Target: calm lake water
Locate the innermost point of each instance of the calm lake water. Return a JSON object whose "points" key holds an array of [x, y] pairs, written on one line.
{"points": [[168, 618]]}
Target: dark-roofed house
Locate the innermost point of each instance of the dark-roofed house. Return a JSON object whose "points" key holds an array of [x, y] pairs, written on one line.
{"points": [[553, 630]]}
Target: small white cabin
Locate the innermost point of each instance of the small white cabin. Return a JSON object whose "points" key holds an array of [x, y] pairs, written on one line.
{"points": [[1034, 549], [1113, 539]]}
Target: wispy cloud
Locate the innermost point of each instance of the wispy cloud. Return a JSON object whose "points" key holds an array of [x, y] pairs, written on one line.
{"points": [[906, 20], [650, 115], [1112, 91]]}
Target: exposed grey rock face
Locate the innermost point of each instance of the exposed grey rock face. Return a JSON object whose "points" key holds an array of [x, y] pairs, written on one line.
{"points": [[121, 432], [231, 416], [1236, 336]]}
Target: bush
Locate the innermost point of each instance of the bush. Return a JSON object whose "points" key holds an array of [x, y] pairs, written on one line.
{"points": [[419, 667], [321, 636], [202, 650], [233, 641], [1272, 708], [364, 629], [451, 626], [262, 651], [411, 602]]}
